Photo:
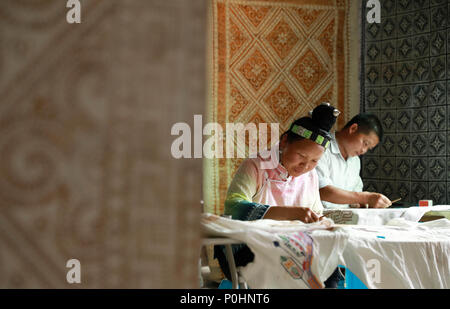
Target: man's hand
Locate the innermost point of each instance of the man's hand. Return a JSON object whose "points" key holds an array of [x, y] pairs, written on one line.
{"points": [[377, 200], [291, 213]]}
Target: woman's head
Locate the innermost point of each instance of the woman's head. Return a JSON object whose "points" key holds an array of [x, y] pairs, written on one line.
{"points": [[303, 144]]}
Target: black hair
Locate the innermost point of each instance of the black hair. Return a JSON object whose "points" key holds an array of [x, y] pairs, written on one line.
{"points": [[367, 123], [321, 121]]}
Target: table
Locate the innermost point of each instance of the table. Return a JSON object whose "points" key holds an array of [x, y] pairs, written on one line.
{"points": [[292, 254], [401, 255], [284, 244], [227, 242]]}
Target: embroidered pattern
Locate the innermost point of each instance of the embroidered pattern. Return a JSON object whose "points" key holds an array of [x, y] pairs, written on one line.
{"points": [[299, 247]]}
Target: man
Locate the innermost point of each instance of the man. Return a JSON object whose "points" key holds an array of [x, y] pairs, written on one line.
{"points": [[338, 169]]}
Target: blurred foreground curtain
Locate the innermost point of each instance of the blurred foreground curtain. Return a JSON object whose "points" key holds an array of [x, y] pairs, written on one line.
{"points": [[86, 170], [272, 62]]}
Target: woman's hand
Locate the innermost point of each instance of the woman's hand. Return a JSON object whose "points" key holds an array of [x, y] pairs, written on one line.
{"points": [[291, 213]]}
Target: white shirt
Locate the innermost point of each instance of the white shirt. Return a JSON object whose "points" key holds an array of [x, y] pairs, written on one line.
{"points": [[334, 170]]}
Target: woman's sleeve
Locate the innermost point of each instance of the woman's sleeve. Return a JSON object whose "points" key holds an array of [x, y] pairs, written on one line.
{"points": [[243, 187]]}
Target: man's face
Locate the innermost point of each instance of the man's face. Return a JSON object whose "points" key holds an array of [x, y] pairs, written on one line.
{"points": [[359, 143]]}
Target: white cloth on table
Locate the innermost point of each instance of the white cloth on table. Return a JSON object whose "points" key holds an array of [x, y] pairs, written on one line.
{"points": [[377, 216], [408, 254], [291, 254], [288, 254]]}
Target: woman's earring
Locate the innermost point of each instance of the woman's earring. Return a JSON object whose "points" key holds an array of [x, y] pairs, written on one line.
{"points": [[280, 152]]}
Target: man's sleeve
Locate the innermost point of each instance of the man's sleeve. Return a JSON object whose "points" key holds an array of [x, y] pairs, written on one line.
{"points": [[317, 207], [323, 169], [359, 183], [243, 187]]}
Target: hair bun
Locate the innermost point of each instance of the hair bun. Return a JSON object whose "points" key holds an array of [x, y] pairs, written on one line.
{"points": [[324, 116], [316, 126]]}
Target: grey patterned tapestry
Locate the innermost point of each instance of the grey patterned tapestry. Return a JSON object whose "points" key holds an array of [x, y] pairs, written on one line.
{"points": [[405, 81]]}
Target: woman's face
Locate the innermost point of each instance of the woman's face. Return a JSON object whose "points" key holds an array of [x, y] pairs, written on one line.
{"points": [[300, 156]]}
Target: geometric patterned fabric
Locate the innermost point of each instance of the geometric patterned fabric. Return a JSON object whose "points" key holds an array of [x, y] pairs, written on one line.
{"points": [[406, 83], [273, 62]]}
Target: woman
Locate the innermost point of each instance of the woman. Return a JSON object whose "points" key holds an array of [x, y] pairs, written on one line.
{"points": [[290, 191], [256, 192]]}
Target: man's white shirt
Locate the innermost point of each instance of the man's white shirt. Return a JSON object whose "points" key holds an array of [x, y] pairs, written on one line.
{"points": [[334, 170]]}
